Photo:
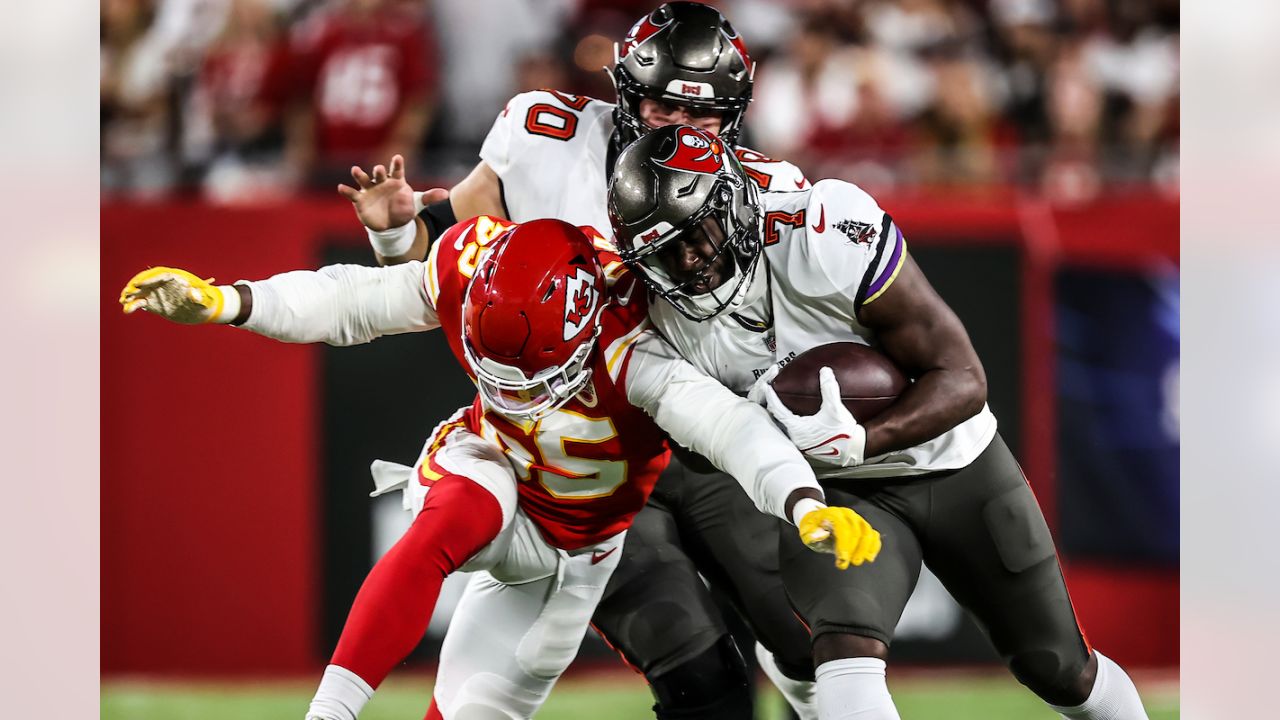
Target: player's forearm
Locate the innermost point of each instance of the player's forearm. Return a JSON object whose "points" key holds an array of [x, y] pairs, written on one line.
{"points": [[339, 304], [738, 437], [799, 494], [246, 304], [936, 402], [479, 193], [743, 441]]}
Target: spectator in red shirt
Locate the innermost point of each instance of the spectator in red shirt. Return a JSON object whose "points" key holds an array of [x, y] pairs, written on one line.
{"points": [[232, 123], [364, 83]]}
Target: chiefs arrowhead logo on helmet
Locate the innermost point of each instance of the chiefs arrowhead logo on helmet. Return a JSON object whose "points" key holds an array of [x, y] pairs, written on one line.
{"points": [[580, 301], [696, 151]]}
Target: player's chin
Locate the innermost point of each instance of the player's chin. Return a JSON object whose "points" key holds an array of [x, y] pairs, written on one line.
{"points": [[701, 287], [707, 283]]}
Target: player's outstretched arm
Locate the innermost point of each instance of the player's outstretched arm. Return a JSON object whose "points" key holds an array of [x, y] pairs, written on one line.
{"points": [[922, 334], [402, 223], [739, 437], [181, 297], [338, 304]]}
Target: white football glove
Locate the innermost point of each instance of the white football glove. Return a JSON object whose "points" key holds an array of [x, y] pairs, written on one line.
{"points": [[830, 436], [180, 296]]}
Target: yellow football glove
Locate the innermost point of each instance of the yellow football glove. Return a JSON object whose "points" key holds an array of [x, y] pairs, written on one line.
{"points": [[841, 531], [175, 295]]}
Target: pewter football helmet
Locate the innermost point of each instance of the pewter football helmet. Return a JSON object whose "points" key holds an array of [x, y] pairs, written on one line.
{"points": [[683, 53], [664, 185]]}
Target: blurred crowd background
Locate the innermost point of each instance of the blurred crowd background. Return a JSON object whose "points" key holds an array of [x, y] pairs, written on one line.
{"points": [[253, 100], [959, 115]]}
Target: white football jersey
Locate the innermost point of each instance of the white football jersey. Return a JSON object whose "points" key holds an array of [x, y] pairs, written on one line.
{"points": [[550, 150], [827, 251]]}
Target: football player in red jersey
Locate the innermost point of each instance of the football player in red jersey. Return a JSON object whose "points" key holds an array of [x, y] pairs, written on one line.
{"points": [[549, 154], [534, 485]]}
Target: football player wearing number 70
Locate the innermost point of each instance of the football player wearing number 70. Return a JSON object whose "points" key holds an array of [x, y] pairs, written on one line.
{"points": [[534, 485]]}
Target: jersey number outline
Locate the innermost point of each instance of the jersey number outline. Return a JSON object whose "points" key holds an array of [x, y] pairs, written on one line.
{"points": [[542, 117], [761, 178], [487, 230], [560, 472], [795, 219]]}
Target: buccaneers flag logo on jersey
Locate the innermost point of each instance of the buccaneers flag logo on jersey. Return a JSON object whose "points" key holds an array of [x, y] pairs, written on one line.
{"points": [[696, 151]]}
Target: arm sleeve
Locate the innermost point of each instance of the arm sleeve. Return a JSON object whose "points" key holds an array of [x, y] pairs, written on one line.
{"points": [[699, 413], [342, 304]]}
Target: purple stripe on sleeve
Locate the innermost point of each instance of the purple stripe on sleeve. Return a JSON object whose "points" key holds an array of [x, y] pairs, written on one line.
{"points": [[889, 267]]}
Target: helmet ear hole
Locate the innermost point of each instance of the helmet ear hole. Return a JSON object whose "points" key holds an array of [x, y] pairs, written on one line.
{"points": [[723, 197]]}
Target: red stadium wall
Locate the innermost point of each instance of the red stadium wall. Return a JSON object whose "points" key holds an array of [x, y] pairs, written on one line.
{"points": [[211, 562]]}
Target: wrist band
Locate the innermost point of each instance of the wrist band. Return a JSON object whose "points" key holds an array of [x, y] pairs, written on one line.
{"points": [[803, 507], [393, 242], [226, 310]]}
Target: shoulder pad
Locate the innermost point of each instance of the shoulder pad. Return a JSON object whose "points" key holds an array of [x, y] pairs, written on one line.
{"points": [[550, 113], [455, 255], [769, 174], [858, 244], [535, 127]]}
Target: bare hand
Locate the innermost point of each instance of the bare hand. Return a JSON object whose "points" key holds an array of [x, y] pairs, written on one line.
{"points": [[384, 200]]}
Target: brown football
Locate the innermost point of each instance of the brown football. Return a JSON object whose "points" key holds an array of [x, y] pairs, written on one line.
{"points": [[869, 381]]}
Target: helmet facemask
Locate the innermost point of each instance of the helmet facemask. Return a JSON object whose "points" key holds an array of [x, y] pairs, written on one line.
{"points": [[532, 317], [511, 393], [733, 205], [630, 125]]}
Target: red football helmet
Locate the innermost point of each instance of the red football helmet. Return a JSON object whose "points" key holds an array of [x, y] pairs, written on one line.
{"points": [[531, 317]]}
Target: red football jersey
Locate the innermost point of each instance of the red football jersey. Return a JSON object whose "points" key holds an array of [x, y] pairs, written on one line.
{"points": [[358, 72], [588, 468]]}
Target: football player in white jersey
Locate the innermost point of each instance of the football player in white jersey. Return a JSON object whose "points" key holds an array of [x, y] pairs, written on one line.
{"points": [[749, 280], [549, 155], [535, 484]]}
